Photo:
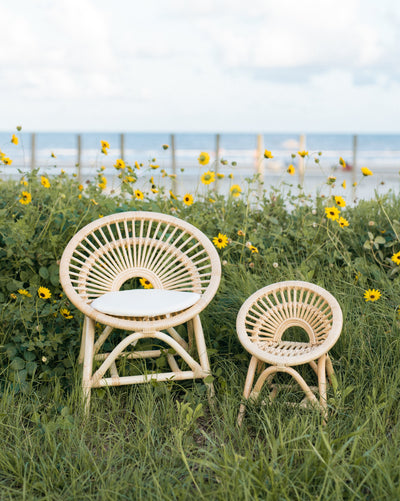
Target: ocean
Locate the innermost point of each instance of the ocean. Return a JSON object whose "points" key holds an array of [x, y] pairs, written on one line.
{"points": [[379, 152]]}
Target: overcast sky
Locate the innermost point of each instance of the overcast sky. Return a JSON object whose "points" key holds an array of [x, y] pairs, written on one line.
{"points": [[200, 65]]}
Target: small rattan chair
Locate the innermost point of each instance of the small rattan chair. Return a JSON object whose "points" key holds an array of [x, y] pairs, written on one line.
{"points": [[261, 325], [170, 255]]}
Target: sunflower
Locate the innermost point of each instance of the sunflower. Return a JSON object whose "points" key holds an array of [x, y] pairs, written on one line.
{"points": [[372, 295], [53, 155], [241, 233], [66, 313], [104, 151], [343, 222], [44, 293], [204, 158], [24, 292], [165, 146], [340, 201], [220, 176], [154, 166], [332, 213], [146, 283], [139, 195], [253, 249], [268, 154], [396, 258], [344, 185], [172, 195], [342, 162], [103, 183], [291, 170], [220, 241], [119, 164], [235, 190], [14, 139], [208, 177], [137, 166], [303, 153], [26, 198], [154, 189], [366, 172], [7, 161], [105, 145], [45, 182], [188, 199]]}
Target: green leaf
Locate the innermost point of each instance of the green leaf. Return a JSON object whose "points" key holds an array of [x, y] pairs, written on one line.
{"points": [[380, 240], [29, 356], [44, 272], [17, 364]]}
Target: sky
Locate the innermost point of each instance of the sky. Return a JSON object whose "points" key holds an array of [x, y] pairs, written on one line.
{"points": [[200, 65]]}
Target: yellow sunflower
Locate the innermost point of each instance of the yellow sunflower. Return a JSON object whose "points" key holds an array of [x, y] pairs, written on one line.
{"points": [[66, 313], [204, 158], [172, 195], [7, 161], [372, 295], [343, 222], [139, 195], [146, 283], [208, 177], [26, 198], [44, 293], [340, 201], [366, 172], [303, 153], [45, 182], [220, 241], [24, 292], [396, 258], [291, 170], [14, 139], [332, 213], [105, 145], [188, 199], [342, 162], [268, 154], [119, 164], [235, 190]]}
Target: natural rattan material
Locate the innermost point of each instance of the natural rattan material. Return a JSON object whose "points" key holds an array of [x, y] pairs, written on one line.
{"points": [[262, 322], [173, 255]]}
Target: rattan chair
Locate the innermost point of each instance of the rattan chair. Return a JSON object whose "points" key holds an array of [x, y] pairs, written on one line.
{"points": [[262, 326], [170, 255]]}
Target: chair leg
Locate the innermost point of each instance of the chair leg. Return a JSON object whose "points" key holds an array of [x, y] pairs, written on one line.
{"points": [[322, 386], [247, 388], [82, 350], [88, 341], [203, 357]]}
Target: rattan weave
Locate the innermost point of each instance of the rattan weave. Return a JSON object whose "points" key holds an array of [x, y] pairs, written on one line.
{"points": [[168, 252], [266, 316]]}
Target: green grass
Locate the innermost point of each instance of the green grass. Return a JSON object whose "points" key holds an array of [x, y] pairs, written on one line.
{"points": [[163, 441]]}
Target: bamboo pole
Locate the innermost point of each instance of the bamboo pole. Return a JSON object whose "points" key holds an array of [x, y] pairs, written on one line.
{"points": [[33, 150], [122, 146], [173, 165], [301, 164], [79, 155], [217, 148], [354, 166]]}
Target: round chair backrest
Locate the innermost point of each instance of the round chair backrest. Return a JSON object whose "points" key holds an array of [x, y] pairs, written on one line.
{"points": [[164, 251], [270, 312]]}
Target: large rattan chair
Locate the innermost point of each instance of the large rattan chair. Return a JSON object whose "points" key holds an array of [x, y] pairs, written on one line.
{"points": [[170, 255], [261, 325]]}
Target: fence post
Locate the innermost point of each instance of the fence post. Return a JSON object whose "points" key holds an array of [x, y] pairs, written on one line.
{"points": [[301, 164], [173, 165], [217, 147], [33, 150], [260, 162], [79, 156], [354, 167], [122, 146]]}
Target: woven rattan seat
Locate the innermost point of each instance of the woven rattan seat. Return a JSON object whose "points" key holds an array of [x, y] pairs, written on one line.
{"points": [[263, 322], [173, 257]]}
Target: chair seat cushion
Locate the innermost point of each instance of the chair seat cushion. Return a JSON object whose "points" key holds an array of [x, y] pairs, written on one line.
{"points": [[144, 302]]}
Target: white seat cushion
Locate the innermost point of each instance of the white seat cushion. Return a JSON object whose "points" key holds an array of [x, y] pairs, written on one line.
{"points": [[144, 302]]}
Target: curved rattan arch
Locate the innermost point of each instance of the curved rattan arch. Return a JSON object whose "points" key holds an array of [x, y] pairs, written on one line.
{"points": [[169, 252], [139, 260], [264, 318]]}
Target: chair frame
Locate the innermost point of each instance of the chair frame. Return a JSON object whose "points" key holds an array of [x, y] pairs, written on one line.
{"points": [[263, 319], [171, 254]]}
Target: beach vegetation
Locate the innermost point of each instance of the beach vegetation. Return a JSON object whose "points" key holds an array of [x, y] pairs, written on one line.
{"points": [[165, 440]]}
